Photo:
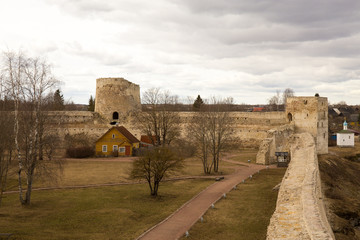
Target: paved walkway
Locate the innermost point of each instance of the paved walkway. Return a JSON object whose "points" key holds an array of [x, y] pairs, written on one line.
{"points": [[181, 221]]}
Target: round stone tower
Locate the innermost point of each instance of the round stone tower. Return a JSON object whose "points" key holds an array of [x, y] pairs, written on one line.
{"points": [[116, 97]]}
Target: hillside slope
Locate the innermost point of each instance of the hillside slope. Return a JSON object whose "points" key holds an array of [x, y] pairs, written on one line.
{"points": [[340, 176]]}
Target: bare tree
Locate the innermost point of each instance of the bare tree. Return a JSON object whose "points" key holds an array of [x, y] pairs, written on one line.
{"points": [[159, 122], [288, 92], [154, 165], [211, 131], [6, 143], [275, 101], [27, 80], [199, 132]]}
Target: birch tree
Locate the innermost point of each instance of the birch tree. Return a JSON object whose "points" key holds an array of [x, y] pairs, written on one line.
{"points": [[28, 80], [6, 143]]}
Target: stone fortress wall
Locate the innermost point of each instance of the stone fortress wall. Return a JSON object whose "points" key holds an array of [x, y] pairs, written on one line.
{"points": [[250, 128], [300, 211], [300, 130], [116, 98]]}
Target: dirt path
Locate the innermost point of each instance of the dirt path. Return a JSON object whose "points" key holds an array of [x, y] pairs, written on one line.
{"points": [[180, 221]]}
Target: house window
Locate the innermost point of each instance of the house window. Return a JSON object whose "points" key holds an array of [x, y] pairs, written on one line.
{"points": [[104, 148], [113, 136], [349, 137], [115, 148], [121, 149]]}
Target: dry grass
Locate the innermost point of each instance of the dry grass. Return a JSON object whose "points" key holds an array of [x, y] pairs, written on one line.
{"points": [[82, 172], [341, 185], [345, 151], [245, 213], [194, 167], [95, 171], [243, 155], [120, 212]]}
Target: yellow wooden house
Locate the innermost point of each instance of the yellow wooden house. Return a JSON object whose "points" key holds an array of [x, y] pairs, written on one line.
{"points": [[117, 141]]}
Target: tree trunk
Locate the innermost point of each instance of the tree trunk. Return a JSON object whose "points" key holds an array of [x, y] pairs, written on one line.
{"points": [[155, 190]]}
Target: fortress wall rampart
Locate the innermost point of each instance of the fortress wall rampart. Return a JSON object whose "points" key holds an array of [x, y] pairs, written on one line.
{"points": [[247, 118], [68, 117], [250, 128], [300, 212], [241, 120]]}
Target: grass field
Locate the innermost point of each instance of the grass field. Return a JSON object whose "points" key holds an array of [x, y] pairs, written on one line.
{"points": [[120, 212], [124, 212], [245, 213], [93, 171]]}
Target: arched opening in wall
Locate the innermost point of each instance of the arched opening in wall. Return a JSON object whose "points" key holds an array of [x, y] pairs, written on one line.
{"points": [[290, 117], [115, 116]]}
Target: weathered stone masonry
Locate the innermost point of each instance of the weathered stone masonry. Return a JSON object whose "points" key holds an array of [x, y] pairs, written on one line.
{"points": [[300, 210], [299, 213]]}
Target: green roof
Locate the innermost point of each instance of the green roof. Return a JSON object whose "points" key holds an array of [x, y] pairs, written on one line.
{"points": [[345, 131]]}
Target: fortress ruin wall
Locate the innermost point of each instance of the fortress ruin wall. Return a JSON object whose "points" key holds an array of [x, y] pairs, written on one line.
{"points": [[250, 128], [300, 212]]}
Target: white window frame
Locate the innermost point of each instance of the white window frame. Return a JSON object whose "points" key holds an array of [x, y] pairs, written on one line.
{"points": [[104, 148], [121, 149], [115, 148]]}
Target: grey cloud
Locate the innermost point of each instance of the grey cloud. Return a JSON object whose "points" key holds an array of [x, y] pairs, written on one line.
{"points": [[104, 57], [269, 44], [295, 12]]}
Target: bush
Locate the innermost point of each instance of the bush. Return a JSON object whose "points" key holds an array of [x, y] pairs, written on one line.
{"points": [[80, 152]]}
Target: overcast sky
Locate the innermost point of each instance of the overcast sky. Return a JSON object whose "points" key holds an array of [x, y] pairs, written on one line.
{"points": [[246, 49]]}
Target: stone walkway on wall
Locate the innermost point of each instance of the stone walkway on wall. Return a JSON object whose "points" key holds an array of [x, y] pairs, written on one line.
{"points": [[182, 220], [299, 211]]}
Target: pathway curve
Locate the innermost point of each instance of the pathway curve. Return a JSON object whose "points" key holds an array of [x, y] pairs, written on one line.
{"points": [[180, 221]]}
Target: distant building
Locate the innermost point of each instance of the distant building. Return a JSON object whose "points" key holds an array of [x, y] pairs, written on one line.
{"points": [[117, 141], [258, 109], [146, 141], [345, 138]]}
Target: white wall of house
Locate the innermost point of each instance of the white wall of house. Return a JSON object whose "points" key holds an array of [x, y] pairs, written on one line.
{"points": [[345, 139]]}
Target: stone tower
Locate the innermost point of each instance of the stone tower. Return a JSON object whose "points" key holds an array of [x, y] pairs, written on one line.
{"points": [[116, 97], [310, 114]]}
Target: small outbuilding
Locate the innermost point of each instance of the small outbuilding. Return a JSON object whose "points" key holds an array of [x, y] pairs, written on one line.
{"points": [[117, 141], [283, 159], [345, 138]]}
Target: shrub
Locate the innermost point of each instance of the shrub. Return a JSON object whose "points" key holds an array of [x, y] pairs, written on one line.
{"points": [[80, 152]]}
